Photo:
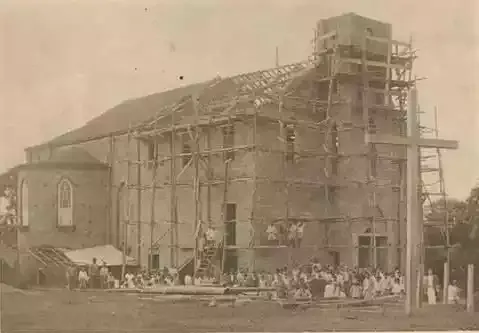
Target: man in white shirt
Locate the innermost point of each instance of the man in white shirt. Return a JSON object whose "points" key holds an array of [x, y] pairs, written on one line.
{"points": [[83, 278], [103, 276]]}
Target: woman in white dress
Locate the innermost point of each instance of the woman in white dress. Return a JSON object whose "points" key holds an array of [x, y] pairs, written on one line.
{"points": [[382, 284], [240, 279], [355, 288], [339, 285], [387, 284], [129, 278], [431, 287], [365, 284], [330, 287], [370, 287]]}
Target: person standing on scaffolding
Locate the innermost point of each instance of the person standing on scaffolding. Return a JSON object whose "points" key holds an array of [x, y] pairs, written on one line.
{"points": [[292, 235], [272, 232], [282, 233], [210, 236], [299, 233]]}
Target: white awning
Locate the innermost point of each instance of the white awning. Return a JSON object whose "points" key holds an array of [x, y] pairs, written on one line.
{"points": [[107, 254]]}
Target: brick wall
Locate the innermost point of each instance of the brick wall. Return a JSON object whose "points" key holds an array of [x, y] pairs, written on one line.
{"points": [[90, 210], [270, 204]]}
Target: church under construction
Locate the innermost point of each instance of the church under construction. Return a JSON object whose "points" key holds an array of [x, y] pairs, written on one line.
{"points": [[278, 146]]}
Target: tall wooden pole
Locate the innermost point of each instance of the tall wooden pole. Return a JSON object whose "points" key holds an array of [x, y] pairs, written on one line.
{"points": [[470, 288], [420, 222], [412, 204], [127, 206]]}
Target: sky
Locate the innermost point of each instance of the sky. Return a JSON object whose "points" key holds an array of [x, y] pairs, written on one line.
{"points": [[63, 62]]}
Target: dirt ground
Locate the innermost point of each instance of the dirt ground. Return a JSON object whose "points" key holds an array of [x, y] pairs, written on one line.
{"points": [[65, 311]]}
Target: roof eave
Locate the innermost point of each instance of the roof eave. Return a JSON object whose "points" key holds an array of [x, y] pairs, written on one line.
{"points": [[64, 165]]}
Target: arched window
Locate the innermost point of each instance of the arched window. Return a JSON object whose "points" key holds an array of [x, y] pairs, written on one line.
{"points": [[65, 203], [24, 204]]}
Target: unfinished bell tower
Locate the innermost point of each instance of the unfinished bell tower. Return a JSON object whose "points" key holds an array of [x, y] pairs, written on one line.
{"points": [[368, 74]]}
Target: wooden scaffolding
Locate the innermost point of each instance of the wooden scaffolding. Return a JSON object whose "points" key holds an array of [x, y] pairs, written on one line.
{"points": [[265, 96]]}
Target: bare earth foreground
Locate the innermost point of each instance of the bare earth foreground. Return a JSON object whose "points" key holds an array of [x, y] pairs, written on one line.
{"points": [[63, 311]]}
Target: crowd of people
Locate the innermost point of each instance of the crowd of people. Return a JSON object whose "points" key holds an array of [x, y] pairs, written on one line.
{"points": [[317, 281], [308, 281]]}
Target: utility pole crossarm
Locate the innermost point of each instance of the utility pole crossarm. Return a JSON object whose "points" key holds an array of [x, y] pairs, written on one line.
{"points": [[409, 141]]}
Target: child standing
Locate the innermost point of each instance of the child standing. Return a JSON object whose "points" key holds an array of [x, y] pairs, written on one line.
{"points": [[83, 278], [453, 293]]}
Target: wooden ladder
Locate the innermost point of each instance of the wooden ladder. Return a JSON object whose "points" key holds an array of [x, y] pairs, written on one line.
{"points": [[207, 259]]}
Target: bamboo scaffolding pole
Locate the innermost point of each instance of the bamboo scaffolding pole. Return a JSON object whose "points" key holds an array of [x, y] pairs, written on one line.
{"points": [[291, 218], [299, 153], [173, 206], [387, 101], [254, 196], [331, 157], [253, 248], [152, 207], [224, 213], [365, 110], [318, 247], [127, 206], [420, 219], [243, 114], [292, 181], [209, 174], [109, 217], [139, 237], [443, 193], [196, 180]]}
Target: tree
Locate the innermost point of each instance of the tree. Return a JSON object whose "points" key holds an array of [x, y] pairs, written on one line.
{"points": [[464, 234]]}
